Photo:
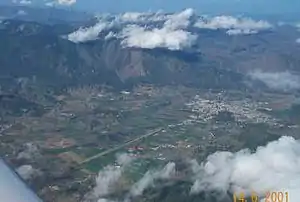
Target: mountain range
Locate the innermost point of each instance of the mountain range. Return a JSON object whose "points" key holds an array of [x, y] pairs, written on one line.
{"points": [[40, 57]]}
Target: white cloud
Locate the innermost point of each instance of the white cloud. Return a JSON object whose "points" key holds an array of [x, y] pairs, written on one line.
{"points": [[148, 179], [27, 172], [89, 33], [134, 17], [110, 35], [172, 35], [61, 2], [124, 159], [297, 25], [147, 17], [179, 20], [138, 188], [21, 12], [236, 25], [66, 2], [161, 30], [277, 80], [30, 152], [241, 31], [274, 167], [104, 200], [50, 4], [108, 178], [136, 36], [25, 2]]}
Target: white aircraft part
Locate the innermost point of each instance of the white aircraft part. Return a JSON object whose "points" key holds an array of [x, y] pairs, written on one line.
{"points": [[13, 188]]}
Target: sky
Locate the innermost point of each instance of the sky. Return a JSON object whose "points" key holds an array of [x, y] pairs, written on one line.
{"points": [[206, 6], [283, 7]]}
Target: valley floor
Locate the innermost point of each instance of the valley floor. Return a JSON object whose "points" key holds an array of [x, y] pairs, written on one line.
{"points": [[67, 146]]}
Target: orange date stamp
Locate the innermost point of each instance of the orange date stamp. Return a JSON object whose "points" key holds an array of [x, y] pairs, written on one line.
{"points": [[275, 196]]}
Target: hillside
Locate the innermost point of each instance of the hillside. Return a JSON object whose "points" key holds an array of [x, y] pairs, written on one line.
{"points": [[45, 57]]}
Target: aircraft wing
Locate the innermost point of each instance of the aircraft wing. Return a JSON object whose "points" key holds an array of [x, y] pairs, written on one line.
{"points": [[13, 188]]}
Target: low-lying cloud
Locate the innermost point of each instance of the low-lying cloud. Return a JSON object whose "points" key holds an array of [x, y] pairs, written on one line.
{"points": [[179, 20], [25, 2], [171, 35], [108, 178], [27, 172], [61, 3], [162, 30], [274, 167], [136, 17], [29, 152], [149, 178], [136, 36], [233, 25], [66, 2], [277, 80], [22, 12], [89, 33]]}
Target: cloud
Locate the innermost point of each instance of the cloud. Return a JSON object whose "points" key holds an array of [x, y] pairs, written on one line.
{"points": [[30, 152], [136, 36], [162, 30], [27, 172], [110, 35], [25, 2], [171, 35], [147, 17], [50, 4], [149, 178], [89, 33], [21, 12], [108, 178], [104, 200], [277, 80], [138, 188], [61, 2], [66, 2], [274, 167], [297, 25], [241, 31], [179, 20], [150, 17], [124, 159], [134, 17], [236, 25]]}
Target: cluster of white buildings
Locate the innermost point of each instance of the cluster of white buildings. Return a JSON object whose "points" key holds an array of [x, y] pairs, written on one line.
{"points": [[243, 110]]}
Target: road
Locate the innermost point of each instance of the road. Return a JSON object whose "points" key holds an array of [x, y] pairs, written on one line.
{"points": [[121, 146]]}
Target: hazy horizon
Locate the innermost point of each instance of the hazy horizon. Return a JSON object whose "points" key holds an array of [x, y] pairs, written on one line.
{"points": [[252, 7]]}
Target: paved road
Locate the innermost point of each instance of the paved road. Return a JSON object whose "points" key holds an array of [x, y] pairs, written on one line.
{"points": [[121, 146]]}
